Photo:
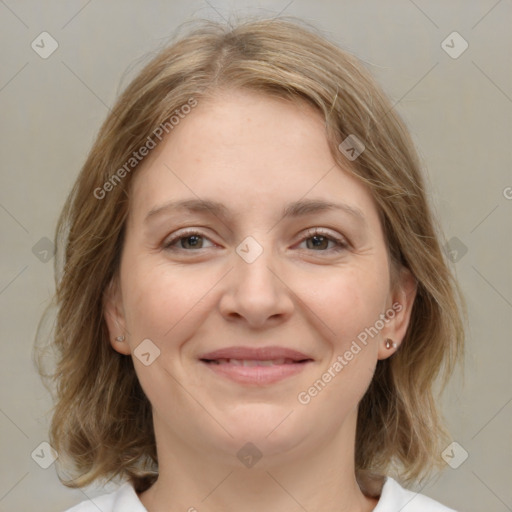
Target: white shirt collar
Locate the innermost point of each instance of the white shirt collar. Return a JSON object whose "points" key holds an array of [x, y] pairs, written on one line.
{"points": [[393, 498]]}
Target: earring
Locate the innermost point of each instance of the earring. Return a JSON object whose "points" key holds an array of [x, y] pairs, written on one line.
{"points": [[120, 338], [390, 343]]}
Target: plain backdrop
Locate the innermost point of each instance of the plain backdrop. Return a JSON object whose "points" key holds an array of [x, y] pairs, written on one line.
{"points": [[459, 111]]}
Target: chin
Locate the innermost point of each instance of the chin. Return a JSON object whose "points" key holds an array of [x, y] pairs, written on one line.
{"points": [[273, 435]]}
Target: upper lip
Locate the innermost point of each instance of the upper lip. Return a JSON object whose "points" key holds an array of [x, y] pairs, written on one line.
{"points": [[256, 354]]}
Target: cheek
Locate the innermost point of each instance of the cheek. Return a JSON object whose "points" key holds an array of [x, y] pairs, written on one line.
{"points": [[166, 302], [160, 302], [349, 303], [156, 301], [348, 300]]}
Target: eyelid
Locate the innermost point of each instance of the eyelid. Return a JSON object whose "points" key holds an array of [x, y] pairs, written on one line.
{"points": [[178, 235], [340, 240]]}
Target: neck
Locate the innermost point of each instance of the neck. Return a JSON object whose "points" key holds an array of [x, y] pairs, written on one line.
{"points": [[321, 479]]}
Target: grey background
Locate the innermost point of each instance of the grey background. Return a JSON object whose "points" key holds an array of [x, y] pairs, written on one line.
{"points": [[458, 110]]}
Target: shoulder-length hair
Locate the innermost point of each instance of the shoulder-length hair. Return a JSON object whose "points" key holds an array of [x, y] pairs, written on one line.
{"points": [[102, 423]]}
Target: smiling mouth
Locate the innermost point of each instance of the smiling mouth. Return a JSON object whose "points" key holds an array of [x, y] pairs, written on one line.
{"points": [[256, 372], [254, 362]]}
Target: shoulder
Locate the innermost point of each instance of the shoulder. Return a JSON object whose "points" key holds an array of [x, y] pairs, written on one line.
{"points": [[117, 501], [395, 497]]}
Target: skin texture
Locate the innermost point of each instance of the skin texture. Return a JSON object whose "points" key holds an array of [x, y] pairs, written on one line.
{"points": [[255, 154]]}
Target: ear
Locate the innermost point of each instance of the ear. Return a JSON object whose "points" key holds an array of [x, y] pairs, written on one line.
{"points": [[398, 312], [114, 317]]}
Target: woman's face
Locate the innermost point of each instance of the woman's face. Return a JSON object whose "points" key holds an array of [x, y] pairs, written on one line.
{"points": [[265, 263]]}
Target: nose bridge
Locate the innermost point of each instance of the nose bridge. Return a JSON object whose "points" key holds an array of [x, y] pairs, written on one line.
{"points": [[255, 290], [253, 263]]}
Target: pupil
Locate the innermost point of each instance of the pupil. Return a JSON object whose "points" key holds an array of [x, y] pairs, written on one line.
{"points": [[318, 240], [195, 239]]}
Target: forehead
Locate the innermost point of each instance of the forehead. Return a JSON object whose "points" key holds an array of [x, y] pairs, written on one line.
{"points": [[249, 150]]}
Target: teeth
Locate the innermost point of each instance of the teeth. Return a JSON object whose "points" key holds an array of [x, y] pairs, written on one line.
{"points": [[252, 362], [269, 363]]}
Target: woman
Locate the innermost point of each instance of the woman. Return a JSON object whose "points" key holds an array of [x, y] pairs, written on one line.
{"points": [[254, 307]]}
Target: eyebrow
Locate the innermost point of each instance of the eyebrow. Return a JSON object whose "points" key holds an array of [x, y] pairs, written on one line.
{"points": [[294, 209]]}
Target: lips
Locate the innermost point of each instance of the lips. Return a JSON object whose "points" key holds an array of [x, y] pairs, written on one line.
{"points": [[256, 366], [256, 354], [253, 362]]}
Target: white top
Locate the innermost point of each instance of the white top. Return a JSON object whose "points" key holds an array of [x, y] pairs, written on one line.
{"points": [[393, 498]]}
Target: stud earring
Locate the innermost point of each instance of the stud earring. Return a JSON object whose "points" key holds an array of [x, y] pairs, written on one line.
{"points": [[120, 338], [390, 343]]}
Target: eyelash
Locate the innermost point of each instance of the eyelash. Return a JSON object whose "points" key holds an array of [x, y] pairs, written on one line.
{"points": [[342, 244]]}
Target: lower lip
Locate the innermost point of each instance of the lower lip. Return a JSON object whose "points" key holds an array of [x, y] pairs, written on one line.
{"points": [[257, 375]]}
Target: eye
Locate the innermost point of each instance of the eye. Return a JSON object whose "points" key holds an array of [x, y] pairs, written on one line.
{"points": [[320, 240], [190, 239], [316, 240]]}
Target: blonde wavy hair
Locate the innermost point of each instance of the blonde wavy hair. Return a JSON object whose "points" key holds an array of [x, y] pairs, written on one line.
{"points": [[101, 421]]}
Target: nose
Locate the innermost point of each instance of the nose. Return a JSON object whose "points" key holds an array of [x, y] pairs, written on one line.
{"points": [[256, 292]]}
